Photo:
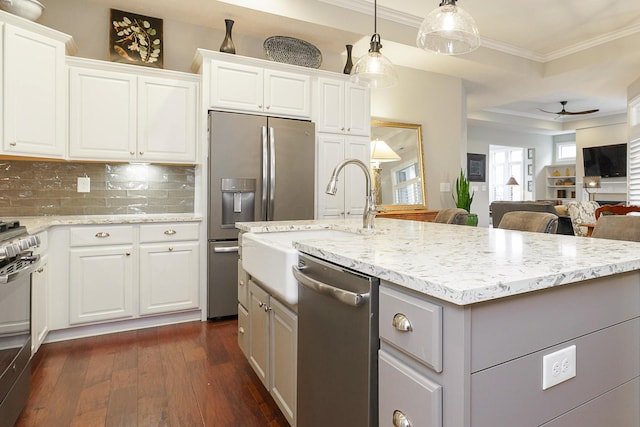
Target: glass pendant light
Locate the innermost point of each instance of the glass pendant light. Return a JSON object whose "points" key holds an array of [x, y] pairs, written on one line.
{"points": [[373, 69], [448, 30]]}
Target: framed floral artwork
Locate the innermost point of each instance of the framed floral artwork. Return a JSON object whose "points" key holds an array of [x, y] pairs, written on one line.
{"points": [[135, 39]]}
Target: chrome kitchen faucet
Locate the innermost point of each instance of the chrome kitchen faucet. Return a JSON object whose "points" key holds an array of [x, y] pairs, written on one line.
{"points": [[369, 213]]}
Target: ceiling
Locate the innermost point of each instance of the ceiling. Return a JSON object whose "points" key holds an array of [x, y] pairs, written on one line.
{"points": [[532, 55]]}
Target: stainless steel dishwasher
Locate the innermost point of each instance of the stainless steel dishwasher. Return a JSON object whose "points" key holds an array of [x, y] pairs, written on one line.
{"points": [[337, 345]]}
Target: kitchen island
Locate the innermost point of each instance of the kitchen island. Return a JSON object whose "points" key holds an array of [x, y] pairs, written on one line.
{"points": [[489, 309]]}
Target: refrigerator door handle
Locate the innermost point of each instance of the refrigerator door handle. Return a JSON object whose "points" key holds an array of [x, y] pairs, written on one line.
{"points": [[225, 249], [265, 171], [272, 172]]}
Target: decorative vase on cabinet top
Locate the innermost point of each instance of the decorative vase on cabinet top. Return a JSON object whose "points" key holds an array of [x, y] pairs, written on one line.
{"points": [[227, 44]]}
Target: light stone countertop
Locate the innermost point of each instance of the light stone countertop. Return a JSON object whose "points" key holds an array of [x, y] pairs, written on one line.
{"points": [[36, 224], [459, 264]]}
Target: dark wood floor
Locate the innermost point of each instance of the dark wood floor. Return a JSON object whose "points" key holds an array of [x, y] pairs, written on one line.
{"points": [[192, 374]]}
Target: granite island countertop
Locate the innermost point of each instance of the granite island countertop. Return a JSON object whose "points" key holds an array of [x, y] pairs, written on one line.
{"points": [[459, 264], [36, 224]]}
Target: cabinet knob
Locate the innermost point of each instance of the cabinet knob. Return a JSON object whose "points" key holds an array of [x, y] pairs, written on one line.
{"points": [[40, 270], [170, 249], [267, 107], [400, 419], [261, 304], [241, 330], [133, 153], [342, 129], [266, 308], [259, 106], [170, 232], [102, 235], [13, 144], [348, 129], [127, 253], [141, 153], [402, 323], [241, 282]]}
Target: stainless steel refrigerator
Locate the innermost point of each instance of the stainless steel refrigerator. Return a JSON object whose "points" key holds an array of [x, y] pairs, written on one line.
{"points": [[260, 169]]}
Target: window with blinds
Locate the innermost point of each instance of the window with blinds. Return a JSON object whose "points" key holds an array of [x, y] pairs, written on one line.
{"points": [[633, 156]]}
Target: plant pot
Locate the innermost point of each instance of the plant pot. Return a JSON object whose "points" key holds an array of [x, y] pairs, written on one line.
{"points": [[472, 220]]}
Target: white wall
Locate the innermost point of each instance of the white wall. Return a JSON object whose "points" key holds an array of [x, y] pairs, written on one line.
{"points": [[479, 139], [434, 101]]}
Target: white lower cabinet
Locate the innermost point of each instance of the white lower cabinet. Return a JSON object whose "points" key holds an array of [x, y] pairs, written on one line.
{"points": [[40, 296], [101, 282], [273, 345], [127, 271]]}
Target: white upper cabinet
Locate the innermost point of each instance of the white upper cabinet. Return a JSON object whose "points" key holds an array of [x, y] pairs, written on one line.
{"points": [[343, 107], [121, 113], [242, 87], [33, 93]]}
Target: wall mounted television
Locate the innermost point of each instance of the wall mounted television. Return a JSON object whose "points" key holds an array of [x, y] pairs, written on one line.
{"points": [[607, 161]]}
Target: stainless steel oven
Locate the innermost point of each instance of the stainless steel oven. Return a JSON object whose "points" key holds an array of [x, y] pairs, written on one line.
{"points": [[17, 262]]}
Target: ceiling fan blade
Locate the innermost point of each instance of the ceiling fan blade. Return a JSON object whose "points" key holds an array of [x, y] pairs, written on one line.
{"points": [[550, 112], [577, 113]]}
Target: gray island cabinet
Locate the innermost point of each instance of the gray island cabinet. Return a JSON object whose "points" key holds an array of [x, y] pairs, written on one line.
{"points": [[483, 327]]}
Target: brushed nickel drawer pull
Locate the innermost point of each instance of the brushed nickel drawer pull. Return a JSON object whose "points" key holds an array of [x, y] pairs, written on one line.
{"points": [[102, 234], [400, 419], [402, 323], [170, 232]]}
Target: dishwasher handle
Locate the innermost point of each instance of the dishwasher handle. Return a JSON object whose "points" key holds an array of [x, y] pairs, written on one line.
{"points": [[350, 298]]}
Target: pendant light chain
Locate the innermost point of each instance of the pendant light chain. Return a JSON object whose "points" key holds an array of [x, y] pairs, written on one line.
{"points": [[375, 17]]}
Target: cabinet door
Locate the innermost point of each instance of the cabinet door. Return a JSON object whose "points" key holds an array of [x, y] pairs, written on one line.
{"points": [[236, 87], [355, 188], [168, 277], [330, 153], [100, 283], [259, 332], [283, 358], [39, 305], [330, 105], [167, 120], [34, 94], [103, 119], [358, 110], [287, 94]]}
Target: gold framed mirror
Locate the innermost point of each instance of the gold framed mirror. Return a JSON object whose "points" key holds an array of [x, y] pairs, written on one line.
{"points": [[397, 165]]}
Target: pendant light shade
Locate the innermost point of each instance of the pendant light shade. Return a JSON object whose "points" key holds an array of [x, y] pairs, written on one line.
{"points": [[448, 30], [373, 69]]}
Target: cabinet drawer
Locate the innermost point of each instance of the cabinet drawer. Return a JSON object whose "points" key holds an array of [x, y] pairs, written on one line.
{"points": [[409, 392], [243, 285], [101, 235], [243, 331], [168, 232], [423, 337]]}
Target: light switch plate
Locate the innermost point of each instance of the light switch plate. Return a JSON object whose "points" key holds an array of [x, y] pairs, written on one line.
{"points": [[84, 184], [445, 187]]}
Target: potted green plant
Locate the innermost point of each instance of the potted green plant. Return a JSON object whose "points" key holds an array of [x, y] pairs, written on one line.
{"points": [[464, 198]]}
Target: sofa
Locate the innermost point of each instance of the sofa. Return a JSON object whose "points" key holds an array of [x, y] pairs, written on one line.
{"points": [[498, 209]]}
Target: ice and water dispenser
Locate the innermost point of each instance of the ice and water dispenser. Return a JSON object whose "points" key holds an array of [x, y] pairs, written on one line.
{"points": [[238, 200]]}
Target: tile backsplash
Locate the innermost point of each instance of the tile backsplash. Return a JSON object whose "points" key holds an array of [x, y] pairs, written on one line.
{"points": [[29, 188]]}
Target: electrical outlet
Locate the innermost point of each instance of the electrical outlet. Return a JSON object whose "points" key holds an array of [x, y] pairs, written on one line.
{"points": [[84, 184], [558, 367]]}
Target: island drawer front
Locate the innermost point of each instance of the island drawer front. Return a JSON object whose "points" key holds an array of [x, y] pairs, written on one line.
{"points": [[504, 395], [617, 408], [404, 389], [424, 340], [168, 232], [510, 327], [101, 235], [243, 331]]}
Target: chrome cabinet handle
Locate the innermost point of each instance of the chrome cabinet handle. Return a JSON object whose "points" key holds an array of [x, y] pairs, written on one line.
{"points": [[102, 234], [402, 323], [170, 232], [400, 419]]}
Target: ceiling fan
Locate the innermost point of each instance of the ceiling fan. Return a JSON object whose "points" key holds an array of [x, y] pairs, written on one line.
{"points": [[564, 112]]}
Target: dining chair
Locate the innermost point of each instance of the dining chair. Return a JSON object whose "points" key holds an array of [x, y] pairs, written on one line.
{"points": [[616, 210], [583, 212], [538, 222], [618, 227], [452, 216]]}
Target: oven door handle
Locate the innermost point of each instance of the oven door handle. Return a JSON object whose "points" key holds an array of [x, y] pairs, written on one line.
{"points": [[31, 262], [346, 297]]}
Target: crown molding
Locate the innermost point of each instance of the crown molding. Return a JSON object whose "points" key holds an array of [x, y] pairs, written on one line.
{"points": [[364, 6]]}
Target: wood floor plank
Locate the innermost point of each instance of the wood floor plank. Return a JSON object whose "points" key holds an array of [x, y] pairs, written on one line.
{"points": [[191, 374]]}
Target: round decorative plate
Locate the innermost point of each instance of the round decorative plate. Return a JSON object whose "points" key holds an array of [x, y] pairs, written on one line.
{"points": [[292, 51]]}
